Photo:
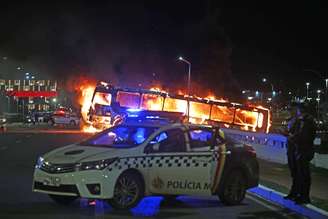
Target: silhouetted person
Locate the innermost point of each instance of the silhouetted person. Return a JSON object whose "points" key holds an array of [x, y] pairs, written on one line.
{"points": [[36, 118], [291, 149], [301, 137]]}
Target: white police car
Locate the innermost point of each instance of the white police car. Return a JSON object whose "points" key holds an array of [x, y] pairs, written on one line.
{"points": [[124, 163], [64, 118]]}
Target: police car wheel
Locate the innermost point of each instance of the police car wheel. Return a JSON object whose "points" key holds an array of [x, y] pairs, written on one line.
{"points": [[234, 188], [128, 191], [63, 200]]}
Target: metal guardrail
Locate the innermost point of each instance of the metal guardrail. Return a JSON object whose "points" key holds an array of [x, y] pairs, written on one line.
{"points": [[271, 147], [274, 140]]}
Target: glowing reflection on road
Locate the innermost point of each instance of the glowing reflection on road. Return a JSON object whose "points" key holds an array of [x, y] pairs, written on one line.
{"points": [[149, 206]]}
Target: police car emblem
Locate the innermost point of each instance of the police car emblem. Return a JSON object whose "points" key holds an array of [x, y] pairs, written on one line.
{"points": [[158, 183]]}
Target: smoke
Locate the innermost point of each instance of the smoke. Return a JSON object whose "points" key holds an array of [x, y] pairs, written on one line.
{"points": [[128, 46]]}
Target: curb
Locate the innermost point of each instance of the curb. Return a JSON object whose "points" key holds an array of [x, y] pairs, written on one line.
{"points": [[277, 197]]}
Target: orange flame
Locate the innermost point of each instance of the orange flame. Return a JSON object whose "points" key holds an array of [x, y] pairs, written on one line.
{"points": [[90, 129], [200, 113], [85, 88], [85, 100]]}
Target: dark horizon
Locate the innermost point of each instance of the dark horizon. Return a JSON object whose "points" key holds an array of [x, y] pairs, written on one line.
{"points": [[230, 48]]}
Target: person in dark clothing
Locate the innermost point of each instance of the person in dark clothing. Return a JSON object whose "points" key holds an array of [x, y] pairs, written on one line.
{"points": [[301, 138], [291, 128], [304, 137]]}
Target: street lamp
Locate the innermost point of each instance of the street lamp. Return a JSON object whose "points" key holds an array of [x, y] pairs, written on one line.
{"points": [[326, 92], [318, 100], [264, 80], [188, 89], [307, 89]]}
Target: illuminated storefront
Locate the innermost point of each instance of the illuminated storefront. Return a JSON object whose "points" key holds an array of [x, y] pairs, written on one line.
{"points": [[23, 96]]}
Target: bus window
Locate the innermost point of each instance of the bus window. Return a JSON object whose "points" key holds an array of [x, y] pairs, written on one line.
{"points": [[128, 99], [246, 117], [102, 98], [151, 102], [222, 114], [175, 105], [200, 110]]}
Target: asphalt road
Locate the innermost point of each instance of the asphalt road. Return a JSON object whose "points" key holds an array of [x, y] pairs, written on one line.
{"points": [[19, 151]]}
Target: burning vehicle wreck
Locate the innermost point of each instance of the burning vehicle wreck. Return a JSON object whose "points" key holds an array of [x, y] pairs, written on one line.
{"points": [[110, 106]]}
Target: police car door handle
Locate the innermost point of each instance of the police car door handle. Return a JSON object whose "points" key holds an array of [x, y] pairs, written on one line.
{"points": [[226, 152]]}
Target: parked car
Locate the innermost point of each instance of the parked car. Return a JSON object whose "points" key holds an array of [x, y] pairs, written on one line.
{"points": [[47, 116], [65, 118], [3, 122]]}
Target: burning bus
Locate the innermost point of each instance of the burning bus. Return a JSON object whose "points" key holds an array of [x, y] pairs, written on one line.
{"points": [[110, 105]]}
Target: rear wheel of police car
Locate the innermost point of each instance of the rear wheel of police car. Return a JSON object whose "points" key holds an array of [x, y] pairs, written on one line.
{"points": [[234, 188], [63, 200], [128, 191]]}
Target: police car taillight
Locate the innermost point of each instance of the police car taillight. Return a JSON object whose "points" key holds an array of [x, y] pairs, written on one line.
{"points": [[250, 149]]}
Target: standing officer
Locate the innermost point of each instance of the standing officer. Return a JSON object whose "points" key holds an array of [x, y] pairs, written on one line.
{"points": [[292, 126], [304, 153]]}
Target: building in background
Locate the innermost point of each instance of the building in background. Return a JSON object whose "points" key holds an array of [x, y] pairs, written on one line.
{"points": [[23, 96]]}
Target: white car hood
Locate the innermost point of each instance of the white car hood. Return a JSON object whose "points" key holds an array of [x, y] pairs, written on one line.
{"points": [[77, 153]]}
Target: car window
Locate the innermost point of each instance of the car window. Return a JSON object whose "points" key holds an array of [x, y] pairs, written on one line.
{"points": [[172, 140], [201, 139], [121, 137]]}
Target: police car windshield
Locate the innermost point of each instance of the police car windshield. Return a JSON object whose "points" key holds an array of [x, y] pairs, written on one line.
{"points": [[120, 137]]}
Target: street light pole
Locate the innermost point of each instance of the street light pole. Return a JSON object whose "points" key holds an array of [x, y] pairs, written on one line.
{"points": [[307, 90], [326, 91], [264, 80], [318, 107], [188, 86]]}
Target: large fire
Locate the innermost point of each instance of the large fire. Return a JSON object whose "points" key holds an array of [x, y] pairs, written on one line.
{"points": [[200, 112], [85, 100], [85, 88]]}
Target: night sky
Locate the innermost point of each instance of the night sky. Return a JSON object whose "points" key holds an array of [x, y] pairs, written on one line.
{"points": [[138, 42]]}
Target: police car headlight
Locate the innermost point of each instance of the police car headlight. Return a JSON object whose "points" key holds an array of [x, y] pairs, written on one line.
{"points": [[96, 165], [39, 162]]}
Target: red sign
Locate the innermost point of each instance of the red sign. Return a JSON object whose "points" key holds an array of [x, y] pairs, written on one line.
{"points": [[32, 93]]}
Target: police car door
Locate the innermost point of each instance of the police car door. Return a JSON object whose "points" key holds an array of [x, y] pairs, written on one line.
{"points": [[200, 148], [219, 154], [169, 167]]}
